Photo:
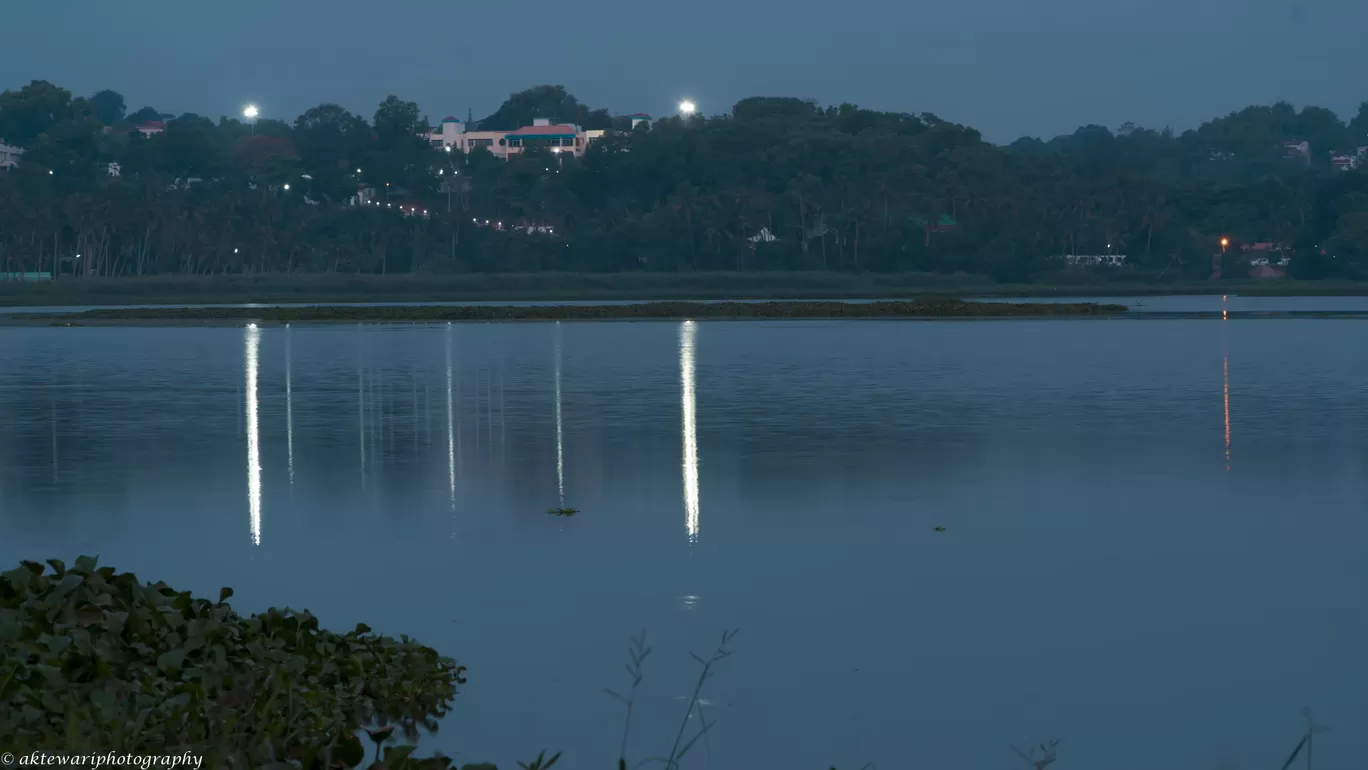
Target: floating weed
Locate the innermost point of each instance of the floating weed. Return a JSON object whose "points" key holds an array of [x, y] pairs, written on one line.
{"points": [[562, 511], [1047, 755], [542, 762]]}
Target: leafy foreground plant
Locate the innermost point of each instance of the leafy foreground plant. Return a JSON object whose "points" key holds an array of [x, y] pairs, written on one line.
{"points": [[96, 661]]}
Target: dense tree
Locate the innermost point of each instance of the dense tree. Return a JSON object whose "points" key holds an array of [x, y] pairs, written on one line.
{"points": [[33, 110], [779, 183], [144, 115], [107, 107], [551, 102]]}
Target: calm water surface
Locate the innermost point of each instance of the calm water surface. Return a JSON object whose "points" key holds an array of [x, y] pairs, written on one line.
{"points": [[1153, 547]]}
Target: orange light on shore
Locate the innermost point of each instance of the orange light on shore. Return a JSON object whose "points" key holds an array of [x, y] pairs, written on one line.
{"points": [[1225, 242]]}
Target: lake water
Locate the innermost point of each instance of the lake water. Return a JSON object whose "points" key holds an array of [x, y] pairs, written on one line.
{"points": [[1153, 541]]}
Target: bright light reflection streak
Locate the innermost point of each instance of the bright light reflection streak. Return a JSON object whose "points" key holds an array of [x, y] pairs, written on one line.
{"points": [[560, 441], [361, 404], [687, 331], [1225, 382], [252, 345], [451, 431], [289, 406]]}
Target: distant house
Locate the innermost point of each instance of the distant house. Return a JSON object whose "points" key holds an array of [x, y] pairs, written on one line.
{"points": [[1263, 246], [455, 136], [1282, 262], [151, 127], [764, 236], [1266, 271], [640, 117], [9, 155], [1296, 149], [1091, 260], [944, 222]]}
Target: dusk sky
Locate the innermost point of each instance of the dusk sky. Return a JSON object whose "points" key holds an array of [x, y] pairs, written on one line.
{"points": [[1006, 67]]}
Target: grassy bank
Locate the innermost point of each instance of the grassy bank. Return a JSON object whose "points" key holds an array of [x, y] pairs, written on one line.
{"points": [[932, 307], [334, 288]]}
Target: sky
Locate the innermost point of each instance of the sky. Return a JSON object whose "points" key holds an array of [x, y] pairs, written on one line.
{"points": [[1006, 67]]}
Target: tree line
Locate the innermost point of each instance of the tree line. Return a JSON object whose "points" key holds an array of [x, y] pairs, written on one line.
{"points": [[776, 184]]}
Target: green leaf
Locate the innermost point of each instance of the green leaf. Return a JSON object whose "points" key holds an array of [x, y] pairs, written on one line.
{"points": [[349, 750], [171, 660], [68, 584], [57, 567], [396, 755], [362, 628], [86, 563], [224, 593]]}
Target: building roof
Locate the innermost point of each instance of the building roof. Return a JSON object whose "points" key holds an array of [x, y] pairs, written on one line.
{"points": [[152, 124], [556, 130], [450, 119], [639, 115]]}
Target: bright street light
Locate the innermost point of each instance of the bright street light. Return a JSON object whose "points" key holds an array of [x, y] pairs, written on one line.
{"points": [[250, 112], [687, 107], [287, 187]]}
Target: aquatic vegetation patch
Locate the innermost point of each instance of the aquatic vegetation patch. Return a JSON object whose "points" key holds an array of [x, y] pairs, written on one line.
{"points": [[96, 661]]}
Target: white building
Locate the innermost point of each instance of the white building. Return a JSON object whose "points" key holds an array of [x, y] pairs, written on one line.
{"points": [[9, 155], [151, 127], [558, 137]]}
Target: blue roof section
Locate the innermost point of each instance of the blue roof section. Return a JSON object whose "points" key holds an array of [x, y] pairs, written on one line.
{"points": [[566, 135]]}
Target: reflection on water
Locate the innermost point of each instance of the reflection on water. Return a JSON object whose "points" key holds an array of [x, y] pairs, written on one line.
{"points": [[1105, 572], [251, 346], [289, 406], [451, 428], [560, 435], [361, 400], [1225, 381], [688, 330]]}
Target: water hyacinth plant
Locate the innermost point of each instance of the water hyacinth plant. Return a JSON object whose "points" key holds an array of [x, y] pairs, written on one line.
{"points": [[97, 661]]}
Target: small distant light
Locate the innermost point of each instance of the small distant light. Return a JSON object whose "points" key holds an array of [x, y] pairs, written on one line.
{"points": [[234, 251], [49, 171], [287, 187], [358, 171], [448, 148], [389, 205]]}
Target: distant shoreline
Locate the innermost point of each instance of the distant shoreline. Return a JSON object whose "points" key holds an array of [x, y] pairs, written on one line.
{"points": [[591, 287], [929, 308]]}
